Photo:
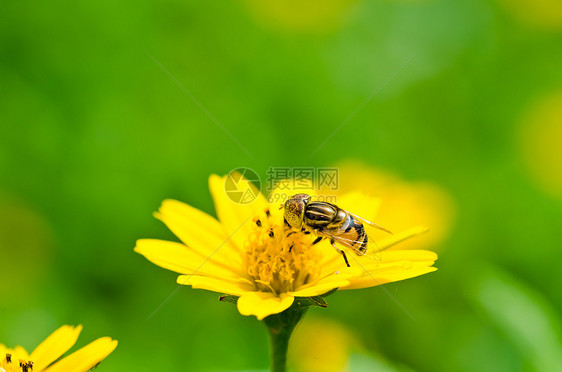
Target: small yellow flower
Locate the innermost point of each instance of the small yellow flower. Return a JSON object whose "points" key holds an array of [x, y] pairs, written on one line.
{"points": [[542, 14], [322, 345], [311, 16], [247, 253], [540, 137], [50, 350]]}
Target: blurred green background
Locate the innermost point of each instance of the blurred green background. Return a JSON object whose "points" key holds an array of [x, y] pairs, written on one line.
{"points": [[107, 108]]}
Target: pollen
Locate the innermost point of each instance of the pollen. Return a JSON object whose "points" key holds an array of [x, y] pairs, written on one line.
{"points": [[278, 259], [11, 363]]}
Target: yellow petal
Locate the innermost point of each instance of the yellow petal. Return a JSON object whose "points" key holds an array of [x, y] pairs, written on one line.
{"points": [[54, 346], [236, 218], [182, 259], [394, 265], [233, 287], [198, 230], [17, 353], [18, 350], [407, 255], [86, 357], [328, 283], [262, 304], [390, 275]]}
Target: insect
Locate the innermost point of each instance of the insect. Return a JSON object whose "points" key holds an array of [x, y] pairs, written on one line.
{"points": [[328, 221]]}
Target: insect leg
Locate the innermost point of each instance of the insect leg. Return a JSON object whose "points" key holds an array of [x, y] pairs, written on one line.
{"points": [[333, 243], [316, 241]]}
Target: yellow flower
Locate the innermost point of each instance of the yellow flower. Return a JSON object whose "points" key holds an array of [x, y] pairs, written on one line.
{"points": [[50, 350], [247, 253]]}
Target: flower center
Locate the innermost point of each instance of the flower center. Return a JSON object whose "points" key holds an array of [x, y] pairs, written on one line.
{"points": [[10, 364], [278, 258]]}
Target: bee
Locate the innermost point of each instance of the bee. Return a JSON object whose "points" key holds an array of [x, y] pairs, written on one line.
{"points": [[328, 221]]}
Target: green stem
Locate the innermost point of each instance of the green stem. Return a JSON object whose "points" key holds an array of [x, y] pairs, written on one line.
{"points": [[280, 327]]}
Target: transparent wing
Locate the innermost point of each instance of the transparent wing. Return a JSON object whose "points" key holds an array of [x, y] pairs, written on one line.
{"points": [[373, 252], [376, 226]]}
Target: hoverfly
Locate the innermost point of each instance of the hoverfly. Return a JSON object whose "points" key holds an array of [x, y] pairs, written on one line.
{"points": [[328, 221]]}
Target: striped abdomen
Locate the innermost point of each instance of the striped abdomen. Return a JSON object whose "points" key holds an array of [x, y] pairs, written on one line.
{"points": [[352, 234], [328, 220]]}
